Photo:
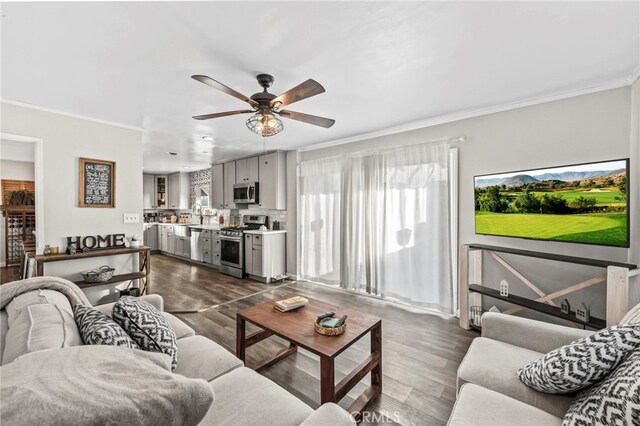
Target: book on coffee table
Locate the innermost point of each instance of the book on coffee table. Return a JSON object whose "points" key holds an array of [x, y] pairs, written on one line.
{"points": [[291, 303]]}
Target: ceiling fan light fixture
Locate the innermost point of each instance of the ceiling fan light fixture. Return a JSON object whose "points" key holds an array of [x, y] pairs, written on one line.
{"points": [[265, 124]]}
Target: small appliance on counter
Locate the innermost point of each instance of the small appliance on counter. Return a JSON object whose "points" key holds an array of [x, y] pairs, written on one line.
{"points": [[152, 217], [232, 243]]}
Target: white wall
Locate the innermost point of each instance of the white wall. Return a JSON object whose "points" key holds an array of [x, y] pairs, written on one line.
{"points": [[634, 188], [17, 170], [292, 210], [65, 139], [585, 128]]}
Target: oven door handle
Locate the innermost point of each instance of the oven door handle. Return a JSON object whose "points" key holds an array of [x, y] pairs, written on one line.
{"points": [[230, 238]]}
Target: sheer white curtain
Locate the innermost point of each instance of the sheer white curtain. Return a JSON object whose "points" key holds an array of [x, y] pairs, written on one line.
{"points": [[320, 220], [390, 216]]}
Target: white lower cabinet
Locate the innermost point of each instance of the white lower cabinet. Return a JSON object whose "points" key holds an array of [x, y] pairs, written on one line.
{"points": [[171, 243], [206, 246], [215, 253], [264, 254]]}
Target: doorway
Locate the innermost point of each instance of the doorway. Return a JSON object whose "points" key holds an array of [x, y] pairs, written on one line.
{"points": [[21, 205]]}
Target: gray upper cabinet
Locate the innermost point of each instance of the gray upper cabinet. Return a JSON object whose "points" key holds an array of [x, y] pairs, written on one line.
{"points": [[148, 192], [268, 170], [161, 197], [179, 189], [247, 170], [229, 181], [217, 177], [273, 173]]}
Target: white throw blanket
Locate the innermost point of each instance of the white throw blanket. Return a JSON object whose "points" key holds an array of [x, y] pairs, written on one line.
{"points": [[70, 290]]}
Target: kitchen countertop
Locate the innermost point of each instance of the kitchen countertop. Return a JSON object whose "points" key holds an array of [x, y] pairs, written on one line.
{"points": [[259, 232], [190, 225], [213, 227]]}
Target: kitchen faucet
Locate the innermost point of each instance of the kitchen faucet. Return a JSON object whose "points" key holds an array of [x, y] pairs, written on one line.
{"points": [[197, 209]]}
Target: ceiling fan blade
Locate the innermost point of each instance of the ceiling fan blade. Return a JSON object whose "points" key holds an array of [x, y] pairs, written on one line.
{"points": [[226, 89], [301, 91], [307, 118], [222, 114]]}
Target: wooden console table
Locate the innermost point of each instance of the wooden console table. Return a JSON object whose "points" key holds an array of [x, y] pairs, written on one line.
{"points": [[616, 279], [143, 275]]}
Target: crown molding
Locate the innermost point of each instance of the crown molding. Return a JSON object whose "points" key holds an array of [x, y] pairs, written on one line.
{"points": [[443, 119], [69, 114]]}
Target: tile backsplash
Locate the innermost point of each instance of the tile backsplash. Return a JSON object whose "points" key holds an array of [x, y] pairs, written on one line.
{"points": [[196, 180], [279, 215]]}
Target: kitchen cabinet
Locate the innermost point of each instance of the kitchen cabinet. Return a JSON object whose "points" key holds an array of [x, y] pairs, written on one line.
{"points": [[273, 174], [165, 230], [179, 191], [205, 247], [217, 178], [171, 243], [182, 246], [151, 237], [247, 170], [265, 255], [229, 181], [216, 248], [148, 191], [160, 192]]}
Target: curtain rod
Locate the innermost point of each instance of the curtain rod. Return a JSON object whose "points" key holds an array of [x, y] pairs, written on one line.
{"points": [[363, 153]]}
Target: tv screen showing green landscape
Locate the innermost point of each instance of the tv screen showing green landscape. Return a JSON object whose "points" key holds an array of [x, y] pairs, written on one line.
{"points": [[583, 203]]}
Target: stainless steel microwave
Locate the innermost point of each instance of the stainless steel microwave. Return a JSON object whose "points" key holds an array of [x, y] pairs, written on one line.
{"points": [[245, 193]]}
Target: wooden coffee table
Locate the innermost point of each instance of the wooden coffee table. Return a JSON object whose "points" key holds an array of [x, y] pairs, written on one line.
{"points": [[297, 328]]}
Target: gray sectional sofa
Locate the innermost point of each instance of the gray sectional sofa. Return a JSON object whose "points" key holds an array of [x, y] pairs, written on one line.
{"points": [[489, 390], [241, 396]]}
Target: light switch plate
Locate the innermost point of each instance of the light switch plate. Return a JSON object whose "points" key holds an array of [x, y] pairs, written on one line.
{"points": [[504, 288], [131, 218]]}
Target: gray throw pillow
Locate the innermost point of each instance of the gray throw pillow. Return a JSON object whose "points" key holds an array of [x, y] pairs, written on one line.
{"points": [[612, 401], [582, 363], [97, 328], [146, 326]]}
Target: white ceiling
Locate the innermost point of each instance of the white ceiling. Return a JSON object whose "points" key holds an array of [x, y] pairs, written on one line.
{"points": [[382, 64]]}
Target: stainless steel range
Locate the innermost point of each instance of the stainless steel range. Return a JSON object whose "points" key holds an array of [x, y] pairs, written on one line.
{"points": [[232, 245]]}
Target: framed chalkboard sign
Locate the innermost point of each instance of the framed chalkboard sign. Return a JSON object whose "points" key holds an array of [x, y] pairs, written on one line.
{"points": [[97, 183]]}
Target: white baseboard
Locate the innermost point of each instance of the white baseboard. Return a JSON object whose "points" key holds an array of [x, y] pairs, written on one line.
{"points": [[292, 276]]}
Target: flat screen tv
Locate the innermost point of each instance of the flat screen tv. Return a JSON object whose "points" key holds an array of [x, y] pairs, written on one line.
{"points": [[582, 203]]}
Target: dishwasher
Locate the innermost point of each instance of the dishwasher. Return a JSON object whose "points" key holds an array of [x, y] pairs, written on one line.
{"points": [[196, 248]]}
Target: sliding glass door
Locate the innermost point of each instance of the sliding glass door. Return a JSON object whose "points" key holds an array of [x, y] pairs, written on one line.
{"points": [[379, 223]]}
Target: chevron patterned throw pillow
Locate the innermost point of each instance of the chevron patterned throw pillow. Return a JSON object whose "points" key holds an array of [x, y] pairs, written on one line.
{"points": [[582, 363], [146, 326], [98, 329], [613, 401]]}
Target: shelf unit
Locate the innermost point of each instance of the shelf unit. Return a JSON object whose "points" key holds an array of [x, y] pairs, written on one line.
{"points": [[143, 275], [616, 279]]}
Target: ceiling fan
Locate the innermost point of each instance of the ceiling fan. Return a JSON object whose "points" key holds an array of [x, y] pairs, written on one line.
{"points": [[267, 106]]}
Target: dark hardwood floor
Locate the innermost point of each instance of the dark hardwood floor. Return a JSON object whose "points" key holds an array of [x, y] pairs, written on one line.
{"points": [[421, 352], [188, 287]]}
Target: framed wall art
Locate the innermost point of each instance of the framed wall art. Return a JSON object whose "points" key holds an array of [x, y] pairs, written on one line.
{"points": [[97, 183]]}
